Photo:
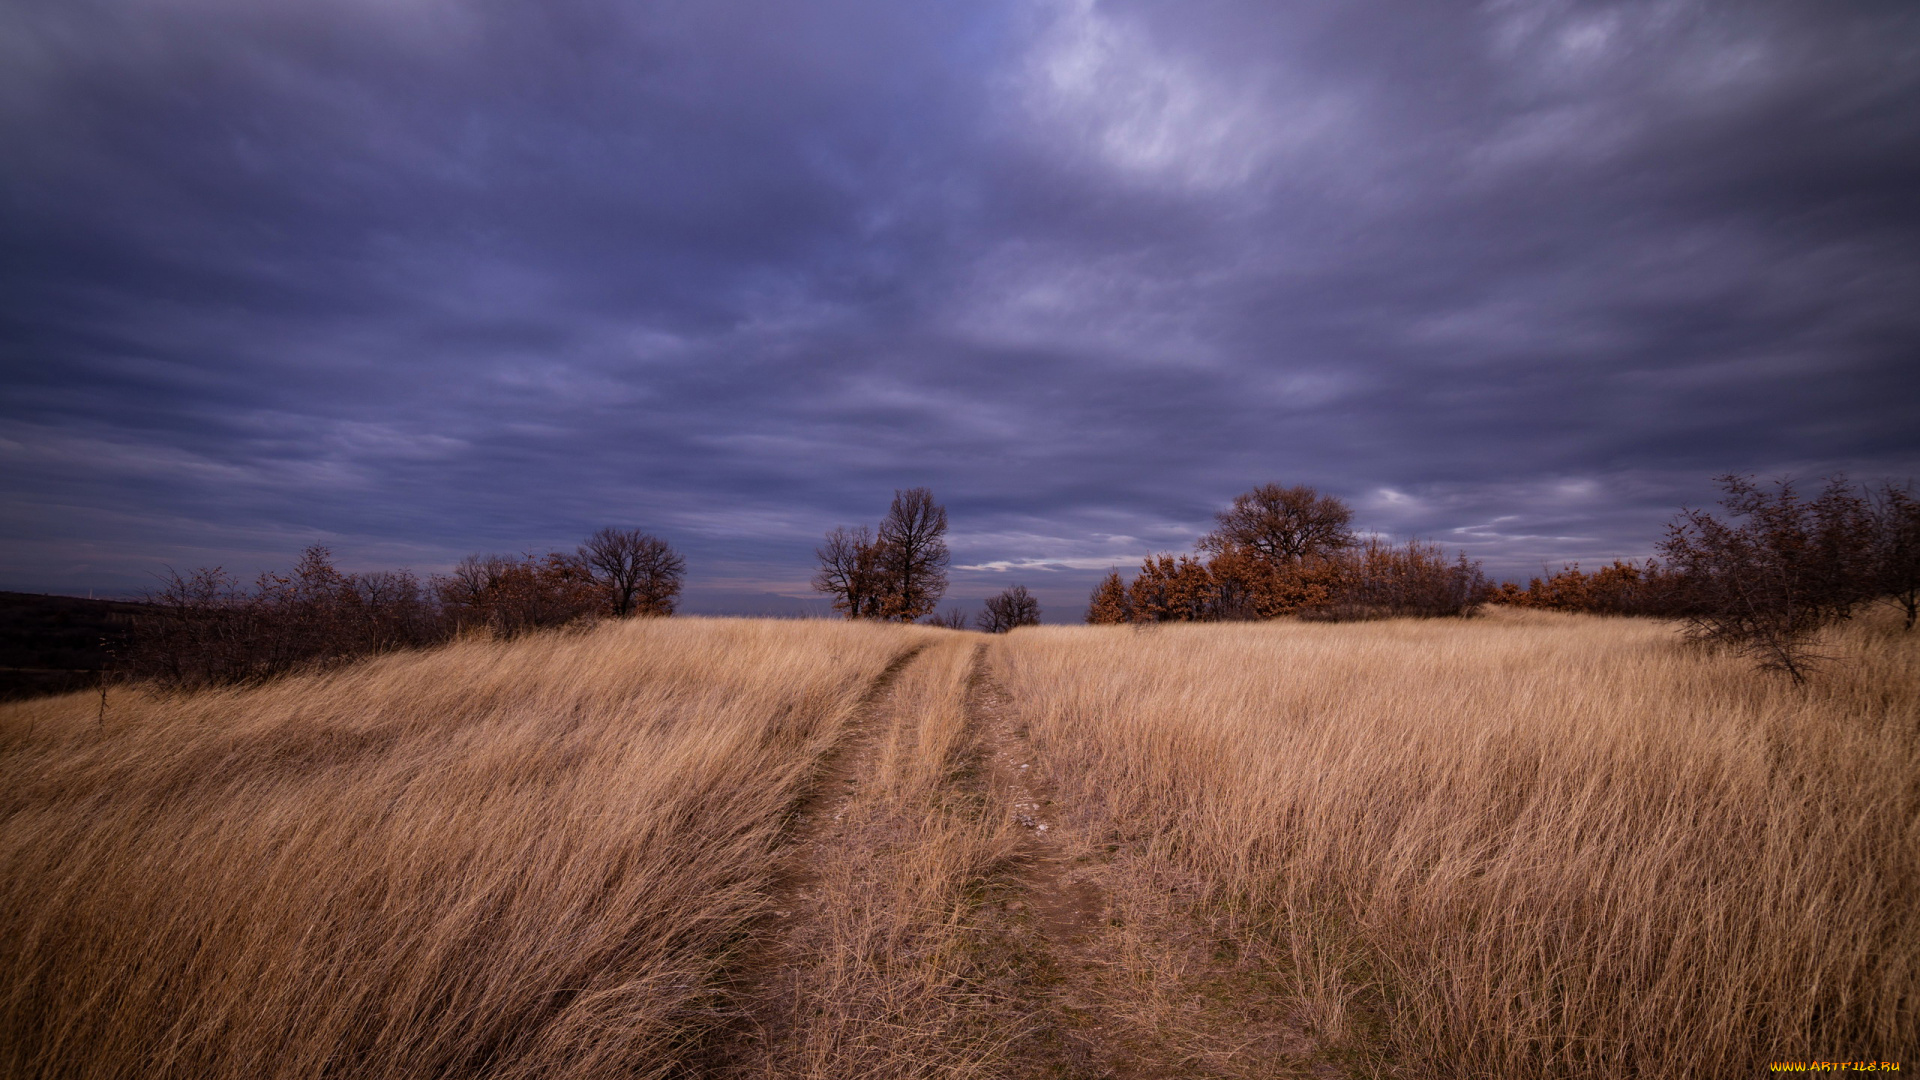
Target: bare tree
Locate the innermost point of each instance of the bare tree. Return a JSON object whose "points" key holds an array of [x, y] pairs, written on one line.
{"points": [[952, 619], [850, 572], [1896, 515], [1282, 525], [661, 572], [1013, 607], [640, 573], [899, 573], [913, 554], [205, 629], [513, 595]]}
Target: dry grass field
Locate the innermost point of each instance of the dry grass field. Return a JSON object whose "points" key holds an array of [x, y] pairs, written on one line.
{"points": [[1522, 845], [491, 859], [1529, 845]]}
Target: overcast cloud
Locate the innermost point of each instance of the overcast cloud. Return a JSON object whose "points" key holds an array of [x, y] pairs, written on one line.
{"points": [[415, 278]]}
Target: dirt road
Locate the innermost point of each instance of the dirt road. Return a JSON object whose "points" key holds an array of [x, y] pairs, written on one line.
{"points": [[939, 912]]}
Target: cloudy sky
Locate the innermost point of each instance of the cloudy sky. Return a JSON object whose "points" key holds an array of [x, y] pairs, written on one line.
{"points": [[418, 278]]}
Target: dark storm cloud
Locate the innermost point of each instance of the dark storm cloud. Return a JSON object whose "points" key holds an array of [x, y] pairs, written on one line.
{"points": [[419, 278]]}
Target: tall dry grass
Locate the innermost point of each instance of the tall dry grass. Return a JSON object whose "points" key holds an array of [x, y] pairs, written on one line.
{"points": [[1526, 845], [501, 859]]}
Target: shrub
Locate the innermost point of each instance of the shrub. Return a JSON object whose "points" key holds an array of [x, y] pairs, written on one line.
{"points": [[511, 595], [203, 628], [1372, 580], [1378, 580], [1170, 589], [1251, 587], [1782, 568], [1108, 604], [951, 619], [1623, 587], [1896, 526]]}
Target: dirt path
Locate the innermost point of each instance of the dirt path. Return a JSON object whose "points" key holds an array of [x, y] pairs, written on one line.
{"points": [[940, 913], [769, 985], [1107, 951], [1045, 925], [839, 777]]}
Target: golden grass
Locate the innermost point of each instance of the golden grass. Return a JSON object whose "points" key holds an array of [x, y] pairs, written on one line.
{"points": [[500, 859], [1525, 845]]}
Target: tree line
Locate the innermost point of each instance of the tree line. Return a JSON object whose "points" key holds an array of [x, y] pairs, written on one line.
{"points": [[1280, 551], [1774, 550], [1764, 577], [205, 627]]}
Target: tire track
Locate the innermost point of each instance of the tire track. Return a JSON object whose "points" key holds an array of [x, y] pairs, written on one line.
{"points": [[1038, 949], [1107, 950], [838, 770], [763, 987], [1049, 911]]}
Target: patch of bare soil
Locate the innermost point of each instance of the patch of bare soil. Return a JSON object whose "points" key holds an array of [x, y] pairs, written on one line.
{"points": [[1108, 952]]}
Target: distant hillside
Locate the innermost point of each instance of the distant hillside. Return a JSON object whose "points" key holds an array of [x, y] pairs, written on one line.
{"points": [[54, 644]]}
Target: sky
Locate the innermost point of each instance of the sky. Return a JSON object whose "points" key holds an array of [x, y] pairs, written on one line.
{"points": [[413, 279]]}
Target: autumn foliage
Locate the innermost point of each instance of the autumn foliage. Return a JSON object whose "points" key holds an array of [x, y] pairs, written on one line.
{"points": [[1372, 580], [1623, 587], [1110, 603], [1291, 551]]}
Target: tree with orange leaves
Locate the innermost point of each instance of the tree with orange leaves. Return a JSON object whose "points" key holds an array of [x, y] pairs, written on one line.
{"points": [[1108, 605]]}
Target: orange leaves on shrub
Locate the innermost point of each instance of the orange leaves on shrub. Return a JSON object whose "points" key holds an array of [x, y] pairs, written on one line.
{"points": [[1622, 587], [1372, 580], [1290, 551]]}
